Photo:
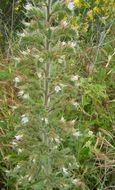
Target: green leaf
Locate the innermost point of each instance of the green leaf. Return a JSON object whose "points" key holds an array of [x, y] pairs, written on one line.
{"points": [[4, 74]]}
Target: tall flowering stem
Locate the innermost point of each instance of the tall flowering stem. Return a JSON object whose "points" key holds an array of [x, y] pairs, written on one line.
{"points": [[48, 46], [47, 65]]}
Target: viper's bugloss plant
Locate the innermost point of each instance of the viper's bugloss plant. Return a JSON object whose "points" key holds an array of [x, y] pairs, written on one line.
{"points": [[47, 51]]}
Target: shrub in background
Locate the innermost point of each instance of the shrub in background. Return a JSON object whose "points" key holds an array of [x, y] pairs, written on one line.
{"points": [[93, 18]]}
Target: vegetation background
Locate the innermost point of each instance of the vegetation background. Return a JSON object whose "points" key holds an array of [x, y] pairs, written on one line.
{"points": [[73, 146]]}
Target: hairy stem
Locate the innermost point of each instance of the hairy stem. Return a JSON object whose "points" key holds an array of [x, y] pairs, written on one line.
{"points": [[47, 65]]}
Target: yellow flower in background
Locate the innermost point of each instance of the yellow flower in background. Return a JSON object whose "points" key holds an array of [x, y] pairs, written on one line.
{"points": [[96, 10], [105, 1], [87, 10], [75, 22], [90, 14], [108, 30], [78, 3], [97, 1], [17, 8], [86, 26]]}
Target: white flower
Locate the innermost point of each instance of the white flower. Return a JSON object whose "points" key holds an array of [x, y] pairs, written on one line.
{"points": [[63, 43], [55, 147], [72, 44], [34, 160], [28, 6], [26, 176], [76, 104], [57, 139], [41, 60], [26, 23], [7, 171], [23, 115], [75, 78], [22, 34], [24, 119], [71, 6], [26, 96], [64, 23], [17, 59], [16, 80], [77, 134], [60, 60], [65, 186], [19, 150], [75, 181], [13, 108], [18, 166], [46, 121], [14, 142], [52, 28], [39, 75], [87, 144], [25, 52], [57, 88], [18, 137], [20, 93], [65, 171], [72, 122], [29, 178], [62, 120], [23, 95], [90, 133]]}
